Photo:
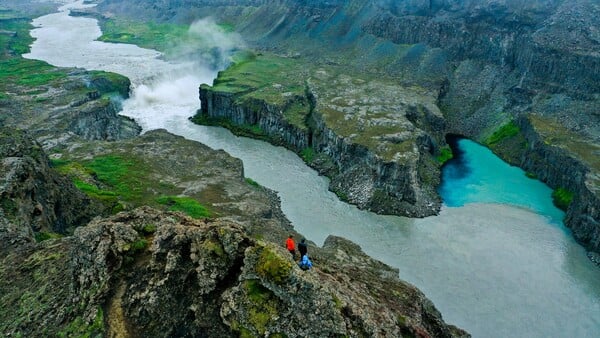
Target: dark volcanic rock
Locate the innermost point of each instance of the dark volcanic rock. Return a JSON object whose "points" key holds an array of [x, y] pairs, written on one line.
{"points": [[33, 197], [149, 273]]}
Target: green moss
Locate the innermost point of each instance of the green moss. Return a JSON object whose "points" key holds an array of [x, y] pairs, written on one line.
{"points": [[149, 229], [9, 206], [262, 307], [256, 292], [508, 130], [562, 198], [252, 182], [187, 205], [531, 175], [341, 195], [214, 247], [308, 154], [43, 236], [139, 245], [107, 83], [272, 266], [79, 328], [445, 155]]}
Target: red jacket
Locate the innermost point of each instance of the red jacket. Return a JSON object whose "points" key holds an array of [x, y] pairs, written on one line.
{"points": [[290, 244]]}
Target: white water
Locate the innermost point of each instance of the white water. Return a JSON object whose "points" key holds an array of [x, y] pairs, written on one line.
{"points": [[493, 269]]}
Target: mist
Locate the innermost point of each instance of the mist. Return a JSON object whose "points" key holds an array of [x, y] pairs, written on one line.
{"points": [[173, 91]]}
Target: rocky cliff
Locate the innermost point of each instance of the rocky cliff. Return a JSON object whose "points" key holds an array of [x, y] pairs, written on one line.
{"points": [[566, 162], [150, 273], [34, 199], [375, 139]]}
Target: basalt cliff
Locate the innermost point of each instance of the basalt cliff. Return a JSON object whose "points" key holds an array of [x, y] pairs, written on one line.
{"points": [[486, 65]]}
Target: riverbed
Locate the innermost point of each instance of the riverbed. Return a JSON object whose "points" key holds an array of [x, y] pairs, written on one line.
{"points": [[493, 264]]}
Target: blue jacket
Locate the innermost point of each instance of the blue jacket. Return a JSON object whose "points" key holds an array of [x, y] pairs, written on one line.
{"points": [[305, 263]]}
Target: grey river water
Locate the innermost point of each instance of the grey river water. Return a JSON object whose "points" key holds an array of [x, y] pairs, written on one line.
{"points": [[491, 267]]}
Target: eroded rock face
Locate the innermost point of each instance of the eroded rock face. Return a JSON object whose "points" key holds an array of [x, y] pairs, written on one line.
{"points": [[84, 105], [375, 139], [33, 197], [162, 274]]}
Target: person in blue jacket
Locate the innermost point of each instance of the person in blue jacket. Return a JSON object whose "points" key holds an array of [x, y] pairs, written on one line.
{"points": [[305, 263]]}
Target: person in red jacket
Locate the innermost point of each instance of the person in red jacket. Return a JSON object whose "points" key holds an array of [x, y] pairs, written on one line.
{"points": [[291, 246]]}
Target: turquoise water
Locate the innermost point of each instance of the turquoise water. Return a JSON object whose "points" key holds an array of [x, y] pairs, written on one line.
{"points": [[476, 175]]}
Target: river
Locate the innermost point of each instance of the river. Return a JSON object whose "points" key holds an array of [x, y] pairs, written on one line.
{"points": [[497, 261]]}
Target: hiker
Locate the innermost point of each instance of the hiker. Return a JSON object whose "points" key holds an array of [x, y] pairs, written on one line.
{"points": [[291, 246], [305, 263], [302, 247]]}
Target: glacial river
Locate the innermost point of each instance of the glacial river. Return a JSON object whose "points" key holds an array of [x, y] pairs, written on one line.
{"points": [[497, 261]]}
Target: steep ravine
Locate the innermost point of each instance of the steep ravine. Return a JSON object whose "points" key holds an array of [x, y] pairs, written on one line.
{"points": [[401, 186]]}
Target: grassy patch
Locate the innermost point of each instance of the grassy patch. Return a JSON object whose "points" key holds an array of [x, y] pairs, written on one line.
{"points": [[562, 198], [252, 182], [149, 229], [111, 179], [445, 155], [272, 266], [308, 154], [263, 305], [79, 328], [508, 130], [185, 204], [158, 36], [43, 236], [29, 73], [139, 245]]}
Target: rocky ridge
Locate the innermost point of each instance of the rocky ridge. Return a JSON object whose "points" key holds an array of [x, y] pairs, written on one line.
{"points": [[131, 269], [371, 137]]}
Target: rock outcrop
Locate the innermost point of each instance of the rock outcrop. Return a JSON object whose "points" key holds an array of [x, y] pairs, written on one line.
{"points": [[376, 140], [122, 275], [33, 197]]}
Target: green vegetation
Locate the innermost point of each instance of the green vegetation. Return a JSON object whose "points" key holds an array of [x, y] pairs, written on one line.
{"points": [[562, 198], [531, 175], [263, 305], [308, 154], [138, 245], [43, 236], [272, 266], [158, 36], [185, 204], [15, 70], [213, 246], [110, 179], [79, 328], [508, 130], [445, 155], [149, 229], [171, 39], [29, 73], [252, 182]]}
